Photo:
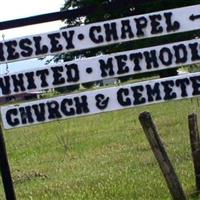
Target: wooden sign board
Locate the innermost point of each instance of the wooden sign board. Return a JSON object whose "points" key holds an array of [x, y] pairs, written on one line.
{"points": [[118, 64], [101, 67], [101, 34], [93, 102]]}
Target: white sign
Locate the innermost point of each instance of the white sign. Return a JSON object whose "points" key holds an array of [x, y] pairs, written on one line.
{"points": [[102, 67], [101, 34], [88, 103]]}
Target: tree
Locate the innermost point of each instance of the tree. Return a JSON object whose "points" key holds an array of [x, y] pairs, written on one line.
{"points": [[123, 9]]}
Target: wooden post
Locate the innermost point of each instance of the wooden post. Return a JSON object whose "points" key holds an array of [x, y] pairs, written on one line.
{"points": [[5, 170], [158, 149], [195, 146]]}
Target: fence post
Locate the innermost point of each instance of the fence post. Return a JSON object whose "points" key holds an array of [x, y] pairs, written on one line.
{"points": [[158, 149], [195, 146], [5, 170]]}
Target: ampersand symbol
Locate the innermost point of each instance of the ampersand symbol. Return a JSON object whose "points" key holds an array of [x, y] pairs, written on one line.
{"points": [[101, 101]]}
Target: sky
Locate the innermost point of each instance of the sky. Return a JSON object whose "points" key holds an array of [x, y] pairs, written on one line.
{"points": [[15, 9]]}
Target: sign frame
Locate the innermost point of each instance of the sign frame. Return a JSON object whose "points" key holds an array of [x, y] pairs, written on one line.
{"points": [[100, 34]]}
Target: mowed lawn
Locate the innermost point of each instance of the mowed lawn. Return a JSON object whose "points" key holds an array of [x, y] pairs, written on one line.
{"points": [[101, 157]]}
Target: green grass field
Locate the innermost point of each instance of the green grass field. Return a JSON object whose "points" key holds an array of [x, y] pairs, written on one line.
{"points": [[101, 157]]}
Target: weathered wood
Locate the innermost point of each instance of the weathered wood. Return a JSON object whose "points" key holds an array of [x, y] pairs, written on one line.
{"points": [[5, 170], [195, 146], [160, 153]]}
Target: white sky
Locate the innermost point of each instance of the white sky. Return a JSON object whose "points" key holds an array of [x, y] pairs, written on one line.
{"points": [[15, 9]]}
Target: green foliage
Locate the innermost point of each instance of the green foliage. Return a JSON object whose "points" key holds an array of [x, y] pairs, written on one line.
{"points": [[194, 68], [67, 88], [88, 85]]}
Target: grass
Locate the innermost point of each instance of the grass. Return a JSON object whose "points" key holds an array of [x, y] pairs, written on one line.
{"points": [[101, 157]]}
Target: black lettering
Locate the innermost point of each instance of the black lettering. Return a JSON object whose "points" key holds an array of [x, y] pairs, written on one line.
{"points": [[195, 51], [18, 82], [166, 56], [168, 89], [43, 76], [182, 83], [126, 29], [196, 85], [155, 24], [69, 39], [57, 75], [151, 59], [72, 73], [180, 53], [137, 94], [121, 63], [153, 92], [53, 109], [31, 81], [40, 50], [111, 31], [5, 85], [55, 45], [122, 97], [96, 38], [141, 23], [171, 26], [106, 67], [39, 111], [81, 104], [26, 115], [101, 101], [25, 45], [64, 107], [11, 49], [2, 58], [136, 57], [11, 117]]}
